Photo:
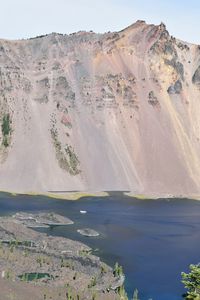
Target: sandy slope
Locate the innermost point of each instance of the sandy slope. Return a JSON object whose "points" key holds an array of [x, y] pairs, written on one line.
{"points": [[107, 97]]}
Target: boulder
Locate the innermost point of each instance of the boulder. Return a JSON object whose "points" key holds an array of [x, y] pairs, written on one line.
{"points": [[196, 76], [176, 88]]}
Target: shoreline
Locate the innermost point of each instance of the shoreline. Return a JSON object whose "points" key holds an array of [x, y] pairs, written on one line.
{"points": [[161, 196], [77, 195], [71, 196]]}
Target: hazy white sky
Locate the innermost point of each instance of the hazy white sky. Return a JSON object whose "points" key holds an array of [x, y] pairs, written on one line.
{"points": [[28, 18]]}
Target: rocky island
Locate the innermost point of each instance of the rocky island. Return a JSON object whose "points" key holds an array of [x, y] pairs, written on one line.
{"points": [[88, 232]]}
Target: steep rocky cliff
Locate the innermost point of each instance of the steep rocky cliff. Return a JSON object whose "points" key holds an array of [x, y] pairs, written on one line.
{"points": [[92, 112]]}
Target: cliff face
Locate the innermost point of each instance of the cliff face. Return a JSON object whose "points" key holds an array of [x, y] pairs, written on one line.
{"points": [[116, 111]]}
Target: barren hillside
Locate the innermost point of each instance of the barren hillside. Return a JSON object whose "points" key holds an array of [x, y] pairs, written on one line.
{"points": [[94, 112]]}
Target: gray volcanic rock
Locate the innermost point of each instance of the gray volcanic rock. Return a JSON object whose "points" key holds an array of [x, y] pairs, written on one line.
{"points": [[88, 232], [196, 76], [176, 88], [177, 66], [41, 219]]}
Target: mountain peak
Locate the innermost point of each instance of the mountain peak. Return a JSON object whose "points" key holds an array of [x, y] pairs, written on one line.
{"points": [[162, 26], [142, 24], [134, 25]]}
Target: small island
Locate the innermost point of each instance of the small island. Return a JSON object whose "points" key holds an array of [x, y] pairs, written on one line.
{"points": [[88, 232]]}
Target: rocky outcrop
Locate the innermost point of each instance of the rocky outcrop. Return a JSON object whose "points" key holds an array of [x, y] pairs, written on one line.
{"points": [[196, 76], [153, 100], [178, 67], [41, 219], [88, 232], [175, 88]]}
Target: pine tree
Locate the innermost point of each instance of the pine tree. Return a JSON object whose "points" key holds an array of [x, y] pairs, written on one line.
{"points": [[192, 282]]}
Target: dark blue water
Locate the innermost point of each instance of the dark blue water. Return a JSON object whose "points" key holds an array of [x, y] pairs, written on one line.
{"points": [[153, 240]]}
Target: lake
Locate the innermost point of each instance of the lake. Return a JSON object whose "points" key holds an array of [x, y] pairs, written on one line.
{"points": [[154, 240]]}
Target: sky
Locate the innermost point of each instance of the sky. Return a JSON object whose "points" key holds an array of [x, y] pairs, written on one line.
{"points": [[29, 18]]}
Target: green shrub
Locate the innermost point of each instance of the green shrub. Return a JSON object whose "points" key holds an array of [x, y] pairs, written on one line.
{"points": [[118, 271], [6, 129], [5, 126], [122, 293]]}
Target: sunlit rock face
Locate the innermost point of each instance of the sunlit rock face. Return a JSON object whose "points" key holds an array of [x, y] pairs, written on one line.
{"points": [[92, 112]]}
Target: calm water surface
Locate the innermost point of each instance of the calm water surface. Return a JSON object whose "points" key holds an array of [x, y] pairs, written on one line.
{"points": [[153, 240]]}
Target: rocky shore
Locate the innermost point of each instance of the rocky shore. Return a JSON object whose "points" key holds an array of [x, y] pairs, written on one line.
{"points": [[41, 219], [62, 264]]}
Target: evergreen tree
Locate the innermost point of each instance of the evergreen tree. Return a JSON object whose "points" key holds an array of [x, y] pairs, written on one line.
{"points": [[192, 282]]}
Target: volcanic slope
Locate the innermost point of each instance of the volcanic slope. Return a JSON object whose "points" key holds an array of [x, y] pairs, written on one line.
{"points": [[95, 112]]}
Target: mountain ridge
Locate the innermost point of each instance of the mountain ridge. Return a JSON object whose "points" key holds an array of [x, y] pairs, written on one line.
{"points": [[94, 112], [137, 23]]}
